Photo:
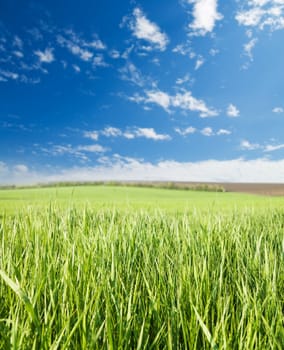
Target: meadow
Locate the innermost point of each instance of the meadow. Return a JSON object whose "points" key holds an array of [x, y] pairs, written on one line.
{"points": [[102, 267]]}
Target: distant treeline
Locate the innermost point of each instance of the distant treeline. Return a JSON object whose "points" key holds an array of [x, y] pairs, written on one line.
{"points": [[165, 185]]}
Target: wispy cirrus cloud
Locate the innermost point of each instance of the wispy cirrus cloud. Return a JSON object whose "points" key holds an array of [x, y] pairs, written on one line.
{"points": [[80, 47], [183, 49], [18, 42], [248, 48], [130, 72], [188, 102], [271, 148], [199, 62], [247, 145], [186, 131], [185, 79], [181, 100], [18, 54], [76, 68], [128, 133], [145, 30], [208, 131], [75, 48], [5, 75], [79, 151]]}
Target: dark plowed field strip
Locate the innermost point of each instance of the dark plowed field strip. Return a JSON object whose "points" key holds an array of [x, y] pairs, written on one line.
{"points": [[254, 188]]}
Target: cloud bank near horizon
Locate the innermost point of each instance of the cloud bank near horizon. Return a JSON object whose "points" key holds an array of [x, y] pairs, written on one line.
{"points": [[129, 169]]}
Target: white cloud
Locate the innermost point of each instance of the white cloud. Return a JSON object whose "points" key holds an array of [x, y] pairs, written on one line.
{"points": [[92, 148], [131, 73], [84, 54], [127, 52], [150, 133], [111, 132], [249, 47], [183, 49], [187, 102], [99, 61], [207, 132], [271, 148], [74, 151], [214, 52], [232, 111], [60, 150], [262, 14], [183, 80], [246, 145], [144, 29], [136, 98], [18, 42], [93, 135], [277, 110], [199, 62], [114, 54], [21, 168], [18, 54], [126, 168], [129, 133], [156, 61], [184, 101], [251, 17], [97, 44], [223, 132], [205, 15], [45, 56], [76, 68], [76, 46], [159, 97], [8, 75], [187, 131], [249, 33]]}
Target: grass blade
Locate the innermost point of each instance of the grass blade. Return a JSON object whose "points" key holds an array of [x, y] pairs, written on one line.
{"points": [[23, 297], [205, 330]]}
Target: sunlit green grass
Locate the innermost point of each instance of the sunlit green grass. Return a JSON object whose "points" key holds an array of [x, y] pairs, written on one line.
{"points": [[132, 198], [126, 268]]}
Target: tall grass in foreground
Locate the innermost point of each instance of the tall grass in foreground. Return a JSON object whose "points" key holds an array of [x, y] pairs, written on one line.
{"points": [[141, 280]]}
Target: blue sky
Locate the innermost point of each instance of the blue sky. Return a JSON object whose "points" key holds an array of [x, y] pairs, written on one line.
{"points": [[188, 90]]}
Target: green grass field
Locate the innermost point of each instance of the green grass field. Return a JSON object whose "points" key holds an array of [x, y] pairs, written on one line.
{"points": [[129, 198], [136, 268]]}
